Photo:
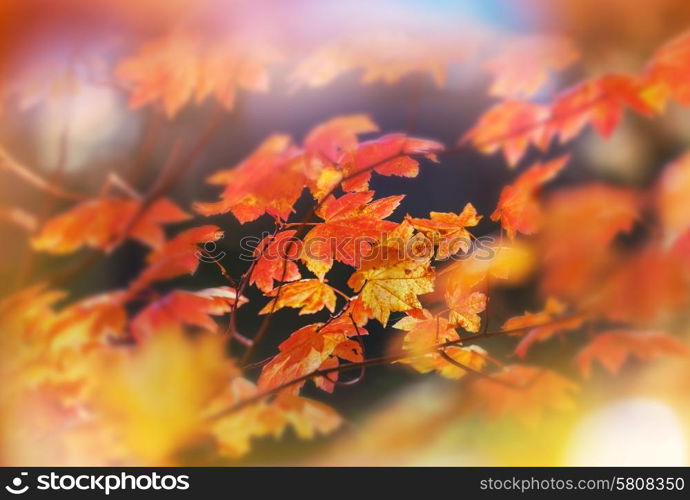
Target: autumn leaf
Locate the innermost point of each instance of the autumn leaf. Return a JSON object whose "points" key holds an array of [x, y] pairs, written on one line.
{"points": [[465, 306], [612, 348], [507, 264], [352, 224], [573, 259], [425, 333], [180, 255], [510, 126], [233, 432], [642, 287], [309, 294], [448, 230], [177, 68], [308, 348], [268, 181], [522, 392], [180, 308], [524, 64], [672, 190], [665, 75], [391, 284], [518, 208], [274, 260], [163, 69], [330, 139], [388, 155], [423, 336], [384, 56], [599, 102], [307, 416], [153, 395], [101, 223], [541, 326]]}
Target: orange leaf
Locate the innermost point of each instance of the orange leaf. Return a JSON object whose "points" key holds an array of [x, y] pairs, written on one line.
{"points": [[268, 181], [388, 284], [310, 294], [666, 74], [613, 347], [330, 139], [521, 391], [599, 102], [176, 68], [465, 307], [177, 257], [422, 337], [275, 260], [510, 126], [387, 155], [524, 64], [181, 307], [308, 348], [672, 191], [540, 326], [518, 208], [352, 224], [101, 222], [448, 230]]}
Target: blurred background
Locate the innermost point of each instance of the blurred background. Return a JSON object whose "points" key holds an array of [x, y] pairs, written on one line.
{"points": [[67, 114]]}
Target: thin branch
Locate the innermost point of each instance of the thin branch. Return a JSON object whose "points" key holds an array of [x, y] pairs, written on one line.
{"points": [[7, 162], [384, 360]]}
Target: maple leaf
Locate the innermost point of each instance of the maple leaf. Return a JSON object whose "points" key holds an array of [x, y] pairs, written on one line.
{"points": [[308, 348], [613, 347], [274, 257], [391, 154], [599, 102], [233, 432], [382, 56], [540, 326], [352, 224], [511, 126], [153, 395], [518, 209], [521, 391], [665, 75], [671, 194], [330, 139], [181, 307], [573, 259], [307, 416], [323, 147], [87, 321], [641, 287], [388, 284], [309, 294], [179, 67], [448, 230], [164, 69], [268, 181], [505, 264], [465, 306], [423, 336], [101, 223], [524, 64], [179, 256]]}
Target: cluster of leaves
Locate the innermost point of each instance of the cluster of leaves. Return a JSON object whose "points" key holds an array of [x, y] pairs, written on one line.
{"points": [[105, 357]]}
